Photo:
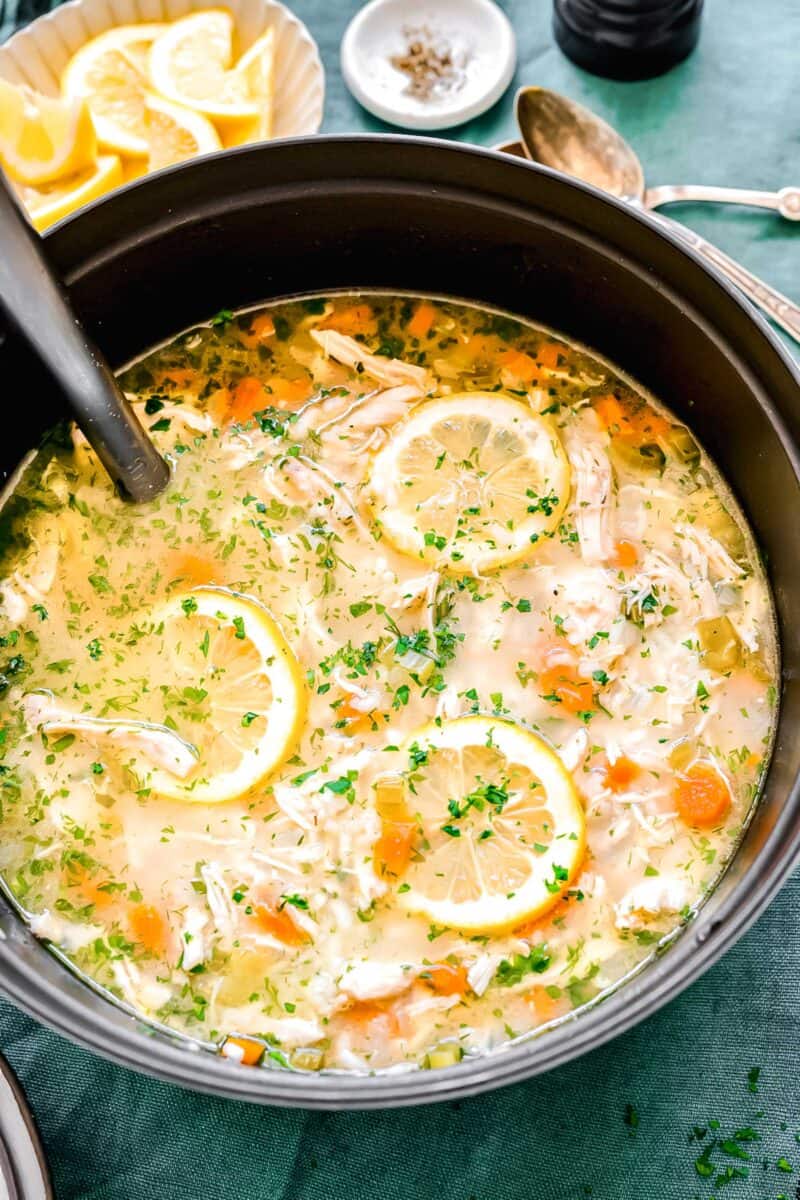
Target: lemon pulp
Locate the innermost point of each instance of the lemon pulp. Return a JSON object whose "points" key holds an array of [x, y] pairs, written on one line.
{"points": [[501, 827], [470, 482]]}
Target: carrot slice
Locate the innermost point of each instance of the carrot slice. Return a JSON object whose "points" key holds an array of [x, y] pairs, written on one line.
{"points": [[356, 720], [261, 329], [218, 405], [445, 979], [638, 425], [247, 398], [90, 887], [358, 319], [149, 928], [364, 1012], [566, 688], [620, 775], [547, 355], [609, 411], [277, 923], [647, 426], [625, 554], [178, 379], [252, 1051], [520, 365], [702, 796], [192, 569], [287, 393], [542, 1003], [392, 852], [422, 320]]}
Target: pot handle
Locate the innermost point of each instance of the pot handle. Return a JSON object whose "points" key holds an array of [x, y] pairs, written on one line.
{"points": [[36, 306], [779, 308]]}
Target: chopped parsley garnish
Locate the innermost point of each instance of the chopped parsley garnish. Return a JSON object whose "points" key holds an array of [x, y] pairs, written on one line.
{"points": [[343, 786], [432, 538], [358, 659], [631, 1118], [513, 970], [560, 876], [543, 504]]}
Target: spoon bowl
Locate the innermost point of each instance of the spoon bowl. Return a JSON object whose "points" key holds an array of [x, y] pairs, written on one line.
{"points": [[564, 135]]}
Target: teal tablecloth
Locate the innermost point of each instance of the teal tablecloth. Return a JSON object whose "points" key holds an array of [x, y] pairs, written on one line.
{"points": [[728, 115]]}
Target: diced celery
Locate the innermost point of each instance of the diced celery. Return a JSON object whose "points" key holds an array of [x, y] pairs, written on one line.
{"points": [[637, 458], [390, 798], [758, 667], [681, 445], [446, 1054], [714, 516], [309, 1058], [417, 664], [722, 650], [682, 754]]}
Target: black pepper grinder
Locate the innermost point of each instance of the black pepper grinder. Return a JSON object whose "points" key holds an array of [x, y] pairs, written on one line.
{"points": [[627, 39]]}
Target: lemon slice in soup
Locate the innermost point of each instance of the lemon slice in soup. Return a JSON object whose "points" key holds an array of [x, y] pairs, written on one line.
{"points": [[501, 830], [240, 697], [470, 482]]}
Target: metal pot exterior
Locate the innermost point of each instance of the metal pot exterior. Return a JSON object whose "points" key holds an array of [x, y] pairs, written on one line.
{"points": [[416, 215]]}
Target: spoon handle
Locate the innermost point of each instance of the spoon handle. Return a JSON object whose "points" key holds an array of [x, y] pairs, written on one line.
{"points": [[786, 201], [35, 304], [780, 308]]}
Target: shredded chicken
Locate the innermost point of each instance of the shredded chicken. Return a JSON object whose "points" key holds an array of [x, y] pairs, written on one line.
{"points": [[650, 899], [481, 973], [376, 980], [704, 551], [31, 582], [588, 641], [593, 509], [159, 744], [390, 371]]}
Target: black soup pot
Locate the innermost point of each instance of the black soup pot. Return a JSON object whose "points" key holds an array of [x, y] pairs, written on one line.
{"points": [[417, 215]]}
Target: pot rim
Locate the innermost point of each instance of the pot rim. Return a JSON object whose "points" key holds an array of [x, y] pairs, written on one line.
{"points": [[697, 946]]}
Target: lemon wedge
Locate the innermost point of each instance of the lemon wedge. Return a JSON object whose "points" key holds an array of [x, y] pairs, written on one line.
{"points": [[191, 63], [53, 201], [110, 74], [470, 482], [41, 139], [257, 67], [176, 133], [501, 829], [239, 693]]}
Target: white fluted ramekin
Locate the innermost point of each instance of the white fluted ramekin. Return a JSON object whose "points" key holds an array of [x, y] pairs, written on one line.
{"points": [[37, 54]]}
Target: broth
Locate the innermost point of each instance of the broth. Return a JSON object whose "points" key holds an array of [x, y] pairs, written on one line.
{"points": [[427, 701]]}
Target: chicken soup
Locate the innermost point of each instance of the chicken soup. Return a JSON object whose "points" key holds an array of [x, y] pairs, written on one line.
{"points": [[425, 704]]}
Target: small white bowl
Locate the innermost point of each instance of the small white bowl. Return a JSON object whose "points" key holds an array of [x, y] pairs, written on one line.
{"points": [[38, 54], [478, 33]]}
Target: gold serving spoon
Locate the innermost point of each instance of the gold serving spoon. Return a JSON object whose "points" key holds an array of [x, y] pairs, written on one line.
{"points": [[562, 134]]}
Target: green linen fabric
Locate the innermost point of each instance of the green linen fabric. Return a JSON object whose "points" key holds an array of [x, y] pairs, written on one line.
{"points": [[726, 116]]}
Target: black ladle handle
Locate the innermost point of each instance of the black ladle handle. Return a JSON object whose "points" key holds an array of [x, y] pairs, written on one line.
{"points": [[36, 305]]}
